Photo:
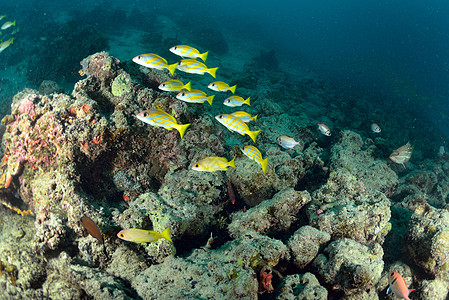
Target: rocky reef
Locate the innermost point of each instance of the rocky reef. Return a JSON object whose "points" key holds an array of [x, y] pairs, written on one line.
{"points": [[315, 226]]}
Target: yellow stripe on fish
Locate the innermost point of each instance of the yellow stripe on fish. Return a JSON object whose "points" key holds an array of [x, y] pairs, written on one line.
{"points": [[195, 96], [195, 67], [6, 44], [143, 236], [175, 86], [213, 163], [220, 86], [8, 24], [235, 124], [154, 61], [244, 116], [159, 118], [236, 101], [190, 52], [254, 154]]}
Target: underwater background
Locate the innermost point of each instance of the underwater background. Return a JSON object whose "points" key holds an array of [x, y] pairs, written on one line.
{"points": [[343, 192]]}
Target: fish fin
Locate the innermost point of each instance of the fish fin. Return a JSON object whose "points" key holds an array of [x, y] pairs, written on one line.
{"points": [[12, 40], [255, 118], [253, 135], [247, 101], [264, 164], [182, 129], [212, 71], [204, 56], [171, 68], [14, 23], [188, 86], [232, 163], [210, 98], [232, 88], [166, 233]]}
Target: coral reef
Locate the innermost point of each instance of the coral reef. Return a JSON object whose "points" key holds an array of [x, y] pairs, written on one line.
{"points": [[301, 286], [350, 266], [322, 207]]}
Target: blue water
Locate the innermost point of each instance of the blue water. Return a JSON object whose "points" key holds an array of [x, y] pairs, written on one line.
{"points": [[391, 50]]}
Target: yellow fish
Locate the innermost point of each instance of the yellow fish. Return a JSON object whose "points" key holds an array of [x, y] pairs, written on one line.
{"points": [[190, 52], [143, 236], [154, 61], [235, 124], [159, 118], [236, 101], [5, 44], [244, 116], [220, 86], [213, 163], [254, 154], [175, 86], [195, 96], [2, 17], [195, 67], [8, 24]]}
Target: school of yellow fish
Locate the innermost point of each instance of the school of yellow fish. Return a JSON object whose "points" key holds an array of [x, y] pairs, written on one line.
{"points": [[6, 34]]}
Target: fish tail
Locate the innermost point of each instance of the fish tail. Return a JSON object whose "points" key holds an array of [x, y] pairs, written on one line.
{"points": [[210, 98], [232, 163], [182, 128], [255, 118], [253, 135], [204, 56], [212, 71], [14, 23], [188, 86], [247, 101], [264, 164], [12, 40], [166, 234], [232, 88], [171, 68]]}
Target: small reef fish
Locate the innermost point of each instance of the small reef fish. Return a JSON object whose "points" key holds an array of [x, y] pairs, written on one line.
{"points": [[93, 230], [175, 86], [8, 24], [402, 154], [154, 61], [254, 154], [324, 129], [2, 17], [236, 101], [195, 67], [231, 193], [6, 44], [235, 124], [159, 118], [190, 52], [195, 96], [398, 286], [287, 142], [375, 128], [143, 236], [213, 163], [220, 86], [244, 116], [441, 151]]}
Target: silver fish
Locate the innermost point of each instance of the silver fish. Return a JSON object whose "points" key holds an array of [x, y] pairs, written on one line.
{"points": [[402, 154]]}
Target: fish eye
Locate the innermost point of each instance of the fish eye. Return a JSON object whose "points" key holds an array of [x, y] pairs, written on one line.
{"points": [[196, 165], [213, 84], [145, 114], [122, 235], [139, 57], [220, 116], [176, 47], [392, 273], [183, 94]]}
